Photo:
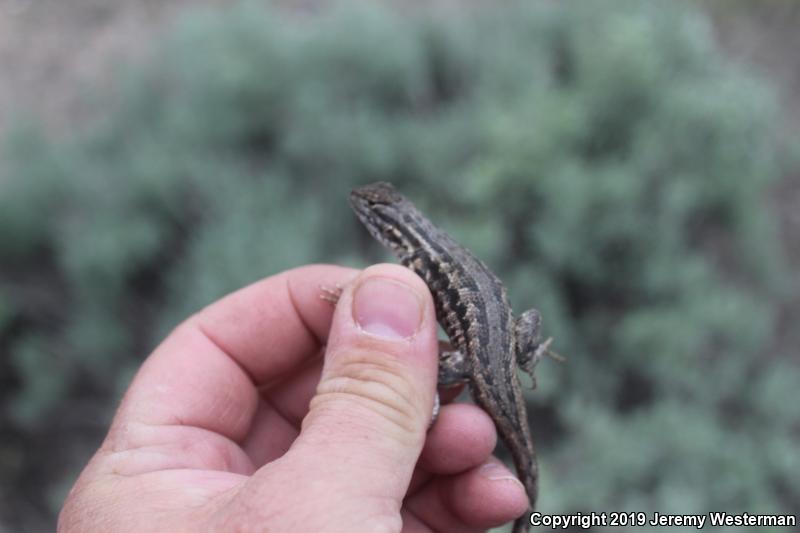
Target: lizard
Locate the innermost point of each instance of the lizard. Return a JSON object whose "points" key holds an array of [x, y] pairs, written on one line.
{"points": [[473, 309]]}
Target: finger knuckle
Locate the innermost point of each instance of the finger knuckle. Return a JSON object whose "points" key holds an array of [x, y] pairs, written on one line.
{"points": [[377, 385]]}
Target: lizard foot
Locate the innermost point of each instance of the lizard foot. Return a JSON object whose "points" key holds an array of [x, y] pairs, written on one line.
{"points": [[331, 294]]}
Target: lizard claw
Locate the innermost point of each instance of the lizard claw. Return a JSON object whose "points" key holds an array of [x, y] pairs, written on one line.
{"points": [[329, 294], [543, 350], [555, 356]]}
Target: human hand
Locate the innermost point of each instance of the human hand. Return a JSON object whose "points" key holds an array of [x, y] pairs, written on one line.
{"points": [[236, 422]]}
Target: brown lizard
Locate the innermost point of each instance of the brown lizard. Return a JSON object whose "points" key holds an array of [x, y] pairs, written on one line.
{"points": [[472, 307]]}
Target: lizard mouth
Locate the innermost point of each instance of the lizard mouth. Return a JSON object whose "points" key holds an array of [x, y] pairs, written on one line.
{"points": [[376, 205], [361, 207]]}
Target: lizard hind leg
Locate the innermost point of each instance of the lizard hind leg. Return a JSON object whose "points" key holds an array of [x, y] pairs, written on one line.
{"points": [[529, 348]]}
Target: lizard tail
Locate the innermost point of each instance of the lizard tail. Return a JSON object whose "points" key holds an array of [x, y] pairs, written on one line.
{"points": [[528, 473], [521, 524]]}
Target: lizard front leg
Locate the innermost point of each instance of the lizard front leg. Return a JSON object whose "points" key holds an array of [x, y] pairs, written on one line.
{"points": [[452, 366], [452, 371]]}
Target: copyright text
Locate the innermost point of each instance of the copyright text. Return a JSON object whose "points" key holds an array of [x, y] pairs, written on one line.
{"points": [[620, 519]]}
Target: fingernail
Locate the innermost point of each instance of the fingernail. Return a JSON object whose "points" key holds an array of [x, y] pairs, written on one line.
{"points": [[387, 308], [496, 472]]}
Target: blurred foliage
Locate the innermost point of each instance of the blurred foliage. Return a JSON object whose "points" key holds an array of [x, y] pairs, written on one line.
{"points": [[603, 157]]}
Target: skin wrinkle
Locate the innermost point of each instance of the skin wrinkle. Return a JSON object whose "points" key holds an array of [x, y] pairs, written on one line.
{"points": [[269, 404], [354, 419], [198, 325], [440, 517], [453, 503], [217, 450], [276, 394], [230, 409], [273, 441], [199, 502], [381, 383], [419, 479], [270, 438], [413, 524], [191, 438], [450, 425], [386, 371], [330, 474], [134, 409]]}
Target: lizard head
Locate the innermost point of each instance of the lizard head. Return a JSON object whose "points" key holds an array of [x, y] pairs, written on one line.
{"points": [[382, 209]]}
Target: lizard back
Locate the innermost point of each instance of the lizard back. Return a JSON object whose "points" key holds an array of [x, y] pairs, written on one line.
{"points": [[471, 306]]}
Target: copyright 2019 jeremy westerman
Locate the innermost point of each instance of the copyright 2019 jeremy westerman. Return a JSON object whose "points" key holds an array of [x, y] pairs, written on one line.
{"points": [[620, 519]]}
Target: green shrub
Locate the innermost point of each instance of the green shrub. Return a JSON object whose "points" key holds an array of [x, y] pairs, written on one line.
{"points": [[603, 157]]}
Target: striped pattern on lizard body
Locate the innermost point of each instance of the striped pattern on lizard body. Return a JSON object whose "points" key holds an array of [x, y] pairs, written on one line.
{"points": [[473, 309]]}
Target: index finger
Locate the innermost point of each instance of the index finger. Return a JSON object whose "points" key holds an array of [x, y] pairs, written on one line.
{"points": [[206, 372], [272, 326]]}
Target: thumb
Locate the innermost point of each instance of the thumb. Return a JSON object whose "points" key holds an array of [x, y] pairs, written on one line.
{"points": [[368, 419]]}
